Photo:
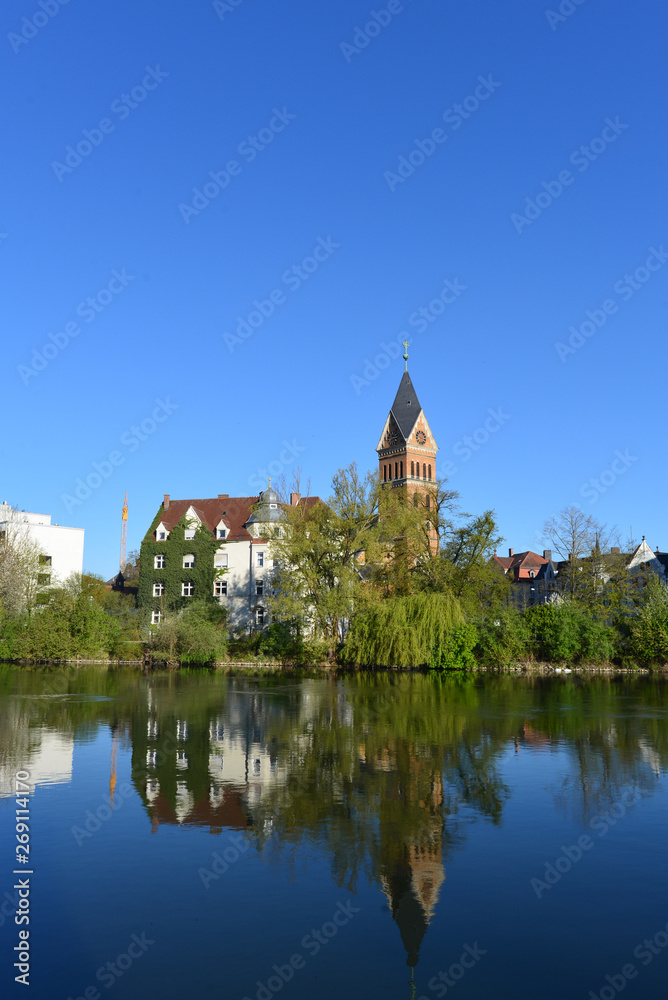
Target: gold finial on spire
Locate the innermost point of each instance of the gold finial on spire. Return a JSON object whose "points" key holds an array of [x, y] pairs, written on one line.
{"points": [[405, 346]]}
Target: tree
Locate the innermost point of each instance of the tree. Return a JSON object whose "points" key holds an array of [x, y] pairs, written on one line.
{"points": [[196, 634], [577, 536], [20, 567]]}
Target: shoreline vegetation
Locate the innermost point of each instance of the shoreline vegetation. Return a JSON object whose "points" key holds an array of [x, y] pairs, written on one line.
{"points": [[370, 580]]}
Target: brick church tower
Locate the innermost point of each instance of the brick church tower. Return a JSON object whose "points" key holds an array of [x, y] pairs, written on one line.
{"points": [[407, 448]]}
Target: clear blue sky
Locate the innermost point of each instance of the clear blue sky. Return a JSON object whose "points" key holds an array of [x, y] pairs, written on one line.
{"points": [[333, 106]]}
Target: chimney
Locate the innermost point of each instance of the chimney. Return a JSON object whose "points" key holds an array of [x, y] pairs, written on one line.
{"points": [[547, 554], [165, 504], [294, 499], [223, 496], [510, 552]]}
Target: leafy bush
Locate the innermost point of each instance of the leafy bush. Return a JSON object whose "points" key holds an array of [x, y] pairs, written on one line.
{"points": [[503, 638], [648, 629], [455, 650], [564, 632], [197, 634]]}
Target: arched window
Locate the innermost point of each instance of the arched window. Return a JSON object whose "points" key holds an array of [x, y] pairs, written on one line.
{"points": [[427, 500], [429, 469], [412, 468], [401, 465], [396, 470], [417, 469], [385, 473], [424, 470]]}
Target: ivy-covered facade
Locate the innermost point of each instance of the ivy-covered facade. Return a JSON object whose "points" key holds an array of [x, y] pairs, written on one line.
{"points": [[176, 569]]}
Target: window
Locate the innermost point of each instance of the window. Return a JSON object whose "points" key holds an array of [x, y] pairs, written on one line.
{"points": [[429, 526], [424, 470], [417, 469], [221, 560], [427, 500], [156, 617], [188, 561], [396, 470], [159, 562], [401, 469], [181, 759], [189, 534], [152, 729], [181, 729], [429, 470], [44, 579], [151, 758], [412, 468], [161, 536], [158, 589], [222, 532], [187, 589], [45, 560], [220, 588], [260, 614], [259, 587], [532, 573], [384, 473], [260, 559]]}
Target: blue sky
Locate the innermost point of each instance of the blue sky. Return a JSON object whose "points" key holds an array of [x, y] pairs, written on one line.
{"points": [[215, 147]]}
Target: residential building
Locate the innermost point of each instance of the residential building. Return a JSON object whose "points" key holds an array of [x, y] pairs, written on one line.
{"points": [[215, 547], [60, 548], [534, 577]]}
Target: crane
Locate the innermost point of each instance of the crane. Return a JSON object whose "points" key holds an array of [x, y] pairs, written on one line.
{"points": [[124, 532]]}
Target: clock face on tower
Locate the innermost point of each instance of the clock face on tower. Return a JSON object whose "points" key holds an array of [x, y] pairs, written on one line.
{"points": [[421, 437], [391, 438]]}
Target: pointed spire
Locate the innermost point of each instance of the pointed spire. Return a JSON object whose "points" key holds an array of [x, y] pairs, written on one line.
{"points": [[405, 347]]}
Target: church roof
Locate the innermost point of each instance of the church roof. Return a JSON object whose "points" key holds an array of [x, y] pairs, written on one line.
{"points": [[406, 406]]}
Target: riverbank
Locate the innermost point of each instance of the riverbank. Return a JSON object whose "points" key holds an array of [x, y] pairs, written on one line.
{"points": [[277, 666]]}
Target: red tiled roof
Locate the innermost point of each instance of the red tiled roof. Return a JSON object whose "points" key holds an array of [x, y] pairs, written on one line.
{"points": [[234, 511], [521, 563]]}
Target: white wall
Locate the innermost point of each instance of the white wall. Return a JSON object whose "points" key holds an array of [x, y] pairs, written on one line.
{"points": [[64, 545]]}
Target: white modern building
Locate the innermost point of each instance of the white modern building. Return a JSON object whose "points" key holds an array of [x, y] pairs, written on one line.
{"points": [[60, 548]]}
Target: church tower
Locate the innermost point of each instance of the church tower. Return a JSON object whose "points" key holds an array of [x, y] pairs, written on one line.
{"points": [[407, 448]]}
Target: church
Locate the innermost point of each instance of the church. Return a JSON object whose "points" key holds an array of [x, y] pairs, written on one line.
{"points": [[220, 547]]}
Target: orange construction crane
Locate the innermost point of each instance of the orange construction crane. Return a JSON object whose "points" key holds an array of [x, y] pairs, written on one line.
{"points": [[124, 532]]}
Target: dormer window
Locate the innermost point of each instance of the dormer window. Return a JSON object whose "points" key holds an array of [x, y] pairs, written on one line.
{"points": [[162, 535], [222, 532]]}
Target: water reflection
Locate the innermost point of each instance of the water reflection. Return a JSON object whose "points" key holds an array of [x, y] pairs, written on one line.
{"points": [[384, 774]]}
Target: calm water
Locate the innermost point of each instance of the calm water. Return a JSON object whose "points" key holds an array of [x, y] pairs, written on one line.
{"points": [[388, 837]]}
